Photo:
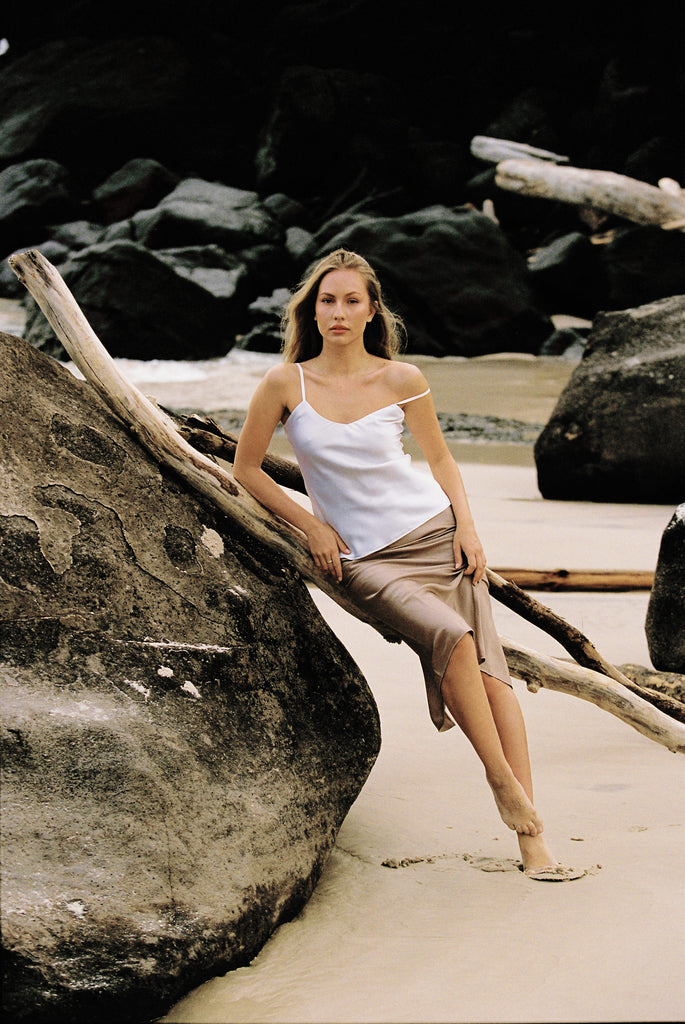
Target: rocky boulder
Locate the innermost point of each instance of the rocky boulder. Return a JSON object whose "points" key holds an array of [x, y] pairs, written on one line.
{"points": [[139, 185], [452, 275], [618, 430], [182, 734], [202, 212], [95, 103], [33, 194], [665, 624], [642, 264], [142, 304]]}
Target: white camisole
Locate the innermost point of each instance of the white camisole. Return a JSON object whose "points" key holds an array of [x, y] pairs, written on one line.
{"points": [[358, 476]]}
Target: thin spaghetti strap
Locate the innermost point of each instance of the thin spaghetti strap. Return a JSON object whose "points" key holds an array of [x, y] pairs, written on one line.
{"points": [[304, 397], [414, 397]]}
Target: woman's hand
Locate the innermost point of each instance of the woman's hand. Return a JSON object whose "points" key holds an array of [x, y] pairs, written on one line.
{"points": [[326, 545], [467, 547]]}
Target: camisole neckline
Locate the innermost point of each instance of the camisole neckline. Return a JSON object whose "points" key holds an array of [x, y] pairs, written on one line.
{"points": [[359, 419]]}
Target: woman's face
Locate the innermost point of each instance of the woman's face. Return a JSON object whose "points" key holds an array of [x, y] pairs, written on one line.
{"points": [[343, 307]]}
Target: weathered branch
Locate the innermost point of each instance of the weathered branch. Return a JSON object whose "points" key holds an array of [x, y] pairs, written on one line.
{"points": [[157, 432], [494, 151], [608, 581], [604, 190], [538, 670]]}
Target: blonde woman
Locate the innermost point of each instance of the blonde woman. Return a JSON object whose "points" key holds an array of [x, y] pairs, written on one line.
{"points": [[402, 541]]}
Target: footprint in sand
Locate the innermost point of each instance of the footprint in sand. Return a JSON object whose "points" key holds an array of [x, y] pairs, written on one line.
{"points": [[492, 863]]}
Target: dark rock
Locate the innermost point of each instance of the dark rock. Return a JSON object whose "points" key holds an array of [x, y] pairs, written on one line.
{"points": [[332, 129], [565, 342], [209, 266], [670, 683], [265, 337], [288, 212], [567, 276], [452, 276], [182, 733], [266, 313], [77, 234], [146, 305], [643, 264], [618, 430], [74, 88], [270, 307], [300, 245], [10, 285], [95, 104], [201, 212], [139, 184], [665, 623], [654, 159], [33, 194]]}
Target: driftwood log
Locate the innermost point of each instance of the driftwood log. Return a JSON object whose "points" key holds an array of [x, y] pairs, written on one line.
{"points": [[158, 433], [486, 147], [613, 193]]}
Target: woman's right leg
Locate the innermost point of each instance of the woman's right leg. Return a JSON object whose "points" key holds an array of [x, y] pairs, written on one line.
{"points": [[464, 693]]}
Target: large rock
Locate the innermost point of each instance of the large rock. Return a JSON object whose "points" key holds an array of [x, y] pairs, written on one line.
{"points": [[643, 264], [452, 275], [665, 623], [618, 430], [336, 131], [33, 194], [182, 733], [171, 304], [94, 103], [203, 212], [139, 184]]}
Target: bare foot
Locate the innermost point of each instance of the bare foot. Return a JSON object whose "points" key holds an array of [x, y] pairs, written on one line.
{"points": [[535, 853], [516, 810]]}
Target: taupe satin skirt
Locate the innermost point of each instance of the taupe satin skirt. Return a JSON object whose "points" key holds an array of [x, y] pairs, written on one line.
{"points": [[413, 587]]}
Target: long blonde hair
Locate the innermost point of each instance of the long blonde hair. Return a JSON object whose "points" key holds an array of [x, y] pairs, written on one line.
{"points": [[301, 338]]}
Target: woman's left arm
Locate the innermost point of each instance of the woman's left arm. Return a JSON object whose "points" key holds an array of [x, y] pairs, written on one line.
{"points": [[423, 423]]}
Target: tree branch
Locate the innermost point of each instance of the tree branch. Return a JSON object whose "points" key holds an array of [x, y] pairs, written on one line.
{"points": [[603, 190]]}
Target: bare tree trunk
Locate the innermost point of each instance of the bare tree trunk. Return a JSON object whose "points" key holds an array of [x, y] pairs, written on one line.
{"points": [[603, 190], [157, 432]]}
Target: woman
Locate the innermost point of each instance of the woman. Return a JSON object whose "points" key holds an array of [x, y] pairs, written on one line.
{"points": [[401, 540]]}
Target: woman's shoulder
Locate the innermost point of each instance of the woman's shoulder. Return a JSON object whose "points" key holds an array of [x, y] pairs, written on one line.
{"points": [[405, 379], [280, 375]]}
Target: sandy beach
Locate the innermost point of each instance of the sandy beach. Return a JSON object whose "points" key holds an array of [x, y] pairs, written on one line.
{"points": [[421, 914]]}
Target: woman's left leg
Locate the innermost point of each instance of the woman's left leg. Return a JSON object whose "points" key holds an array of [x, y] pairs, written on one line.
{"points": [[506, 712]]}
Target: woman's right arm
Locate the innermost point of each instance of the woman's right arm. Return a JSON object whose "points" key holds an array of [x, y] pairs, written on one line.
{"points": [[265, 412]]}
